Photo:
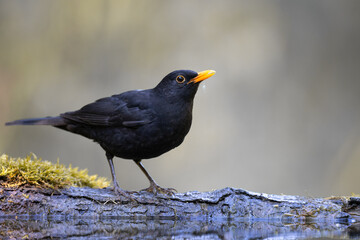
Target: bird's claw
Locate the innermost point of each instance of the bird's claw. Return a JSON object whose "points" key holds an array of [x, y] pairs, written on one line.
{"points": [[156, 189], [122, 192]]}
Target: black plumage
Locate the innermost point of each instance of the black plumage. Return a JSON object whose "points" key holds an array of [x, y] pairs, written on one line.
{"points": [[139, 124]]}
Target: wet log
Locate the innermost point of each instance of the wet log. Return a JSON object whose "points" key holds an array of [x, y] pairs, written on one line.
{"points": [[227, 203]]}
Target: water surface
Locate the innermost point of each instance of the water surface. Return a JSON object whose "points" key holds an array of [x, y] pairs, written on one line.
{"points": [[119, 228]]}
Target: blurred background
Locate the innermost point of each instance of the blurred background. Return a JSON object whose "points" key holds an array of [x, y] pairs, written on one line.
{"points": [[282, 114]]}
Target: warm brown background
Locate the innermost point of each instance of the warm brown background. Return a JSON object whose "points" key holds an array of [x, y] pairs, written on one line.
{"points": [[282, 114]]}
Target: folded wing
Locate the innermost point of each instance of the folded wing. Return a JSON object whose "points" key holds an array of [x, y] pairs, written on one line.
{"points": [[112, 111]]}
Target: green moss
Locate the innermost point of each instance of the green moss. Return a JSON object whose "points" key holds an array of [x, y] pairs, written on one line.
{"points": [[16, 172]]}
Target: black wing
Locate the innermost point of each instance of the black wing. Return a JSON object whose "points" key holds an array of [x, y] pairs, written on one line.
{"points": [[130, 109]]}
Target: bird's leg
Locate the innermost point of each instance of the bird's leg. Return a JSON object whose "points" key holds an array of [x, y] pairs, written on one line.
{"points": [[154, 187], [117, 188]]}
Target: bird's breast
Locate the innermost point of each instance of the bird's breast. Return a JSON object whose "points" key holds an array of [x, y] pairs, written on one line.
{"points": [[172, 127], [167, 131]]}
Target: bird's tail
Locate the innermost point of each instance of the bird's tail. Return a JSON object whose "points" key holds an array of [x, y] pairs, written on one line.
{"points": [[54, 121]]}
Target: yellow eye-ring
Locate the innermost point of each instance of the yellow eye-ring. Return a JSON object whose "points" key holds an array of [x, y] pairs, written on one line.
{"points": [[180, 79]]}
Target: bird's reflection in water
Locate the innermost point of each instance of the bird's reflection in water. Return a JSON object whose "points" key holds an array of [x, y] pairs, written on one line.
{"points": [[165, 228]]}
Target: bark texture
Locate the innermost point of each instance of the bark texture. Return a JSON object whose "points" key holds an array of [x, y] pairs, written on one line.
{"points": [[90, 212], [227, 203]]}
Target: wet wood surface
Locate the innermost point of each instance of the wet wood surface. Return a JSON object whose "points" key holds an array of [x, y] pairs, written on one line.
{"points": [[227, 203], [82, 213]]}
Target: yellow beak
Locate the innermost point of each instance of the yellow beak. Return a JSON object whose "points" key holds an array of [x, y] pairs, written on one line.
{"points": [[202, 76]]}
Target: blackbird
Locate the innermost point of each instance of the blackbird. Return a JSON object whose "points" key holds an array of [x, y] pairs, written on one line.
{"points": [[138, 124]]}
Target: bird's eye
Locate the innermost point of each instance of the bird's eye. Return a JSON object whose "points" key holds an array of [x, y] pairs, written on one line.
{"points": [[180, 79]]}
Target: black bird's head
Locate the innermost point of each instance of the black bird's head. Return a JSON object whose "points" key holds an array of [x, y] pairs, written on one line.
{"points": [[182, 83]]}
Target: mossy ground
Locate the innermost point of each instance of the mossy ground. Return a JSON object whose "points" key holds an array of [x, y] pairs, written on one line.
{"points": [[33, 171]]}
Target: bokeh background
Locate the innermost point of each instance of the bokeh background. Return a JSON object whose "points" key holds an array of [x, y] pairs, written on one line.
{"points": [[282, 114]]}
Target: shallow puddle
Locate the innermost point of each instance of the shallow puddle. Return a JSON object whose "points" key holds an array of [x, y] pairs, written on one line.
{"points": [[117, 228]]}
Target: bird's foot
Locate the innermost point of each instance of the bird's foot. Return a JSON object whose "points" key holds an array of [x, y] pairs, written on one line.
{"points": [[122, 192], [156, 189]]}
